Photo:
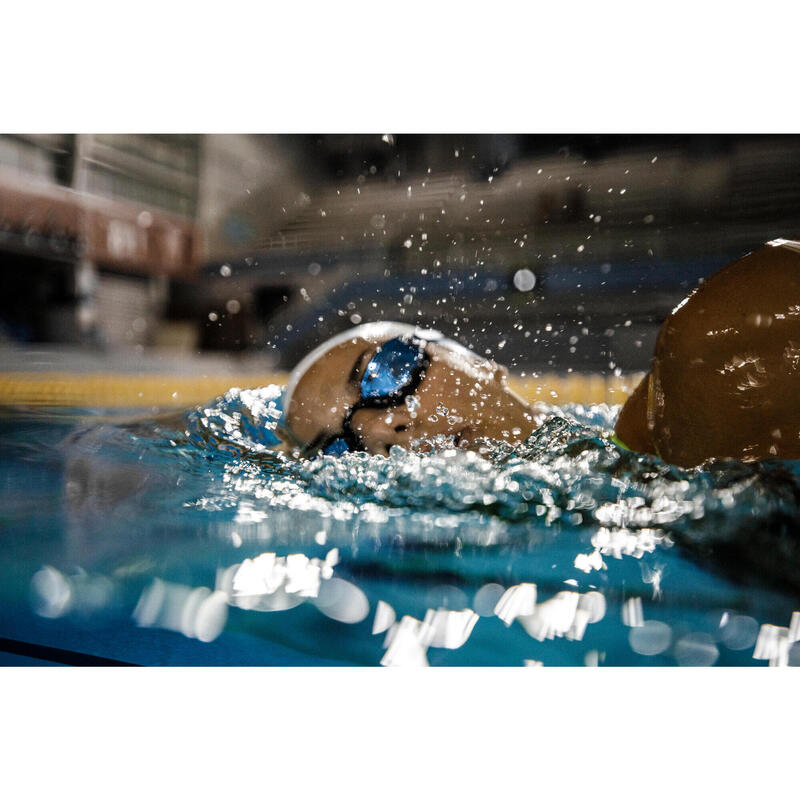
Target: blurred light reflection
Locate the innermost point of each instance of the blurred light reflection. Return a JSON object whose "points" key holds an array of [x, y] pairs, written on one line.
{"points": [[384, 617], [696, 650], [565, 614], [197, 613], [487, 598], [738, 632], [773, 644], [450, 629], [52, 594], [295, 574], [558, 616], [519, 600], [406, 644], [342, 601], [651, 638], [270, 582], [632, 614]]}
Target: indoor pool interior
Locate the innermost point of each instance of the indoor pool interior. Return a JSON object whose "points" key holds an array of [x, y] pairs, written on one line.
{"points": [[159, 291], [355, 359], [180, 538]]}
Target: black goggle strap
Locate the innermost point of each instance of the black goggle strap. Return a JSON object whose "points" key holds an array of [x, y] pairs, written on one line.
{"points": [[348, 440]]}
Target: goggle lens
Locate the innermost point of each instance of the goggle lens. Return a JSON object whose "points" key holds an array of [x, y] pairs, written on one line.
{"points": [[391, 370], [392, 373]]}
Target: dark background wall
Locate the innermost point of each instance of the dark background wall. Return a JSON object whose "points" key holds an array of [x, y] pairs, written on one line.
{"points": [[547, 251]]}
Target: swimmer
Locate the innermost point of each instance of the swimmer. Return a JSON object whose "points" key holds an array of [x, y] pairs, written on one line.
{"points": [[724, 380], [389, 383], [723, 383]]}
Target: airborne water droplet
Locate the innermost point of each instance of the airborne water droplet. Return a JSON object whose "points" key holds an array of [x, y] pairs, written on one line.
{"points": [[412, 404]]}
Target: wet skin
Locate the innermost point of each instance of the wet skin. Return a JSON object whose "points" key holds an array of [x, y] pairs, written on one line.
{"points": [[723, 383], [460, 395], [725, 374]]}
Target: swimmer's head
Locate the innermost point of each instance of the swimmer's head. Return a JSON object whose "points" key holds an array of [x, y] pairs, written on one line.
{"points": [[389, 383]]}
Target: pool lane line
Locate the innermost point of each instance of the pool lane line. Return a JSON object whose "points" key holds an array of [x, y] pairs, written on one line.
{"points": [[118, 390], [69, 658], [121, 390]]}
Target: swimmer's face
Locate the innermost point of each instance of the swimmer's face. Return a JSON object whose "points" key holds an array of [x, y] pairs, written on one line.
{"points": [[460, 395]]}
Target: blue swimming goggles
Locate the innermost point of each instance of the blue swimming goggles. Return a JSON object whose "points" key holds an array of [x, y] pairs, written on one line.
{"points": [[392, 374]]}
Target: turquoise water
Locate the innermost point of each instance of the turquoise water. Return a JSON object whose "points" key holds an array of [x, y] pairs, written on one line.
{"points": [[185, 540]]}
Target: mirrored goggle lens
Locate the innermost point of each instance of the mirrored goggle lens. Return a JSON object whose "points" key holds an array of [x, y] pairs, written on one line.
{"points": [[391, 369]]}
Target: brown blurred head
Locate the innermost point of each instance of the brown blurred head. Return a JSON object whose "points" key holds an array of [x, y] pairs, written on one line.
{"points": [[726, 368]]}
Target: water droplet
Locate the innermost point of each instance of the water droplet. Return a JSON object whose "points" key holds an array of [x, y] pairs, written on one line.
{"points": [[412, 404]]}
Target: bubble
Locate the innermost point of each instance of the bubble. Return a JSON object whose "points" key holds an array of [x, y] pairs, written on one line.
{"points": [[225, 270], [486, 598], [314, 268], [739, 633], [211, 617], [446, 596], [342, 601], [150, 602], [595, 604], [524, 280], [51, 592], [650, 639], [696, 650], [233, 306]]}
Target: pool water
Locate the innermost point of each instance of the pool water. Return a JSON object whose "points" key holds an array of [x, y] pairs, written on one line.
{"points": [[186, 540]]}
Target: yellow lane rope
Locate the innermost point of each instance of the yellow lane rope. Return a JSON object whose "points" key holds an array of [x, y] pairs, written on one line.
{"points": [[115, 390]]}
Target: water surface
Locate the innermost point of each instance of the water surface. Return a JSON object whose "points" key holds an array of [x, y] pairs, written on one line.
{"points": [[186, 540]]}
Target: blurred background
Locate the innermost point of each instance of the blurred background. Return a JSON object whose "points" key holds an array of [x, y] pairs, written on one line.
{"points": [[209, 258]]}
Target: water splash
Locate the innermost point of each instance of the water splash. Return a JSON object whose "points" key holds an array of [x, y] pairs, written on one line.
{"points": [[566, 549]]}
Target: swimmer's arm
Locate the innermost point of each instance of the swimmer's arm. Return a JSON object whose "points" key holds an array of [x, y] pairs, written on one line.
{"points": [[631, 429]]}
